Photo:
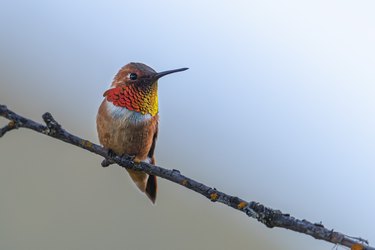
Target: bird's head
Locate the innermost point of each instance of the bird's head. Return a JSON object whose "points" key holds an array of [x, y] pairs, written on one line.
{"points": [[135, 88]]}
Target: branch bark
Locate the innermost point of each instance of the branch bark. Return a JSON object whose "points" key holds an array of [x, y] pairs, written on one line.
{"points": [[268, 216]]}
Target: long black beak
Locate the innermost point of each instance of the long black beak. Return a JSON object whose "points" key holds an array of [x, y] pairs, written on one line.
{"points": [[164, 73]]}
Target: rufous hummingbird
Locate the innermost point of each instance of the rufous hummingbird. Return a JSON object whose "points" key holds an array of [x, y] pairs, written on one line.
{"points": [[127, 119]]}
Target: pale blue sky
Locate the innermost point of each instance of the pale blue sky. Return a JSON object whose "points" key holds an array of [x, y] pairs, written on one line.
{"points": [[277, 106]]}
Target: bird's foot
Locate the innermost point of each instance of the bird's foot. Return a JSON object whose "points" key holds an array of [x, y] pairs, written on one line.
{"points": [[135, 159], [111, 153]]}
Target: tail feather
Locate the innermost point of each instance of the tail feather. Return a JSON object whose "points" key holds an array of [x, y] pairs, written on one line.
{"points": [[139, 178], [146, 183], [151, 188]]}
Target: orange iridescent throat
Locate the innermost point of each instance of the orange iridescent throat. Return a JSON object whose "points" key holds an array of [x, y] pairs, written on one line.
{"points": [[140, 99]]}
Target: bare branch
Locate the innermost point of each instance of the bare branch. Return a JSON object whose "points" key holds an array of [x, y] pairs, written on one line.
{"points": [[268, 216]]}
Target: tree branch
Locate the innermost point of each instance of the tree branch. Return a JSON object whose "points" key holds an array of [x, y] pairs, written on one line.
{"points": [[268, 216]]}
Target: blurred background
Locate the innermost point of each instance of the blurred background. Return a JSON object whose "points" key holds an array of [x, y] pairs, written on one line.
{"points": [[277, 107]]}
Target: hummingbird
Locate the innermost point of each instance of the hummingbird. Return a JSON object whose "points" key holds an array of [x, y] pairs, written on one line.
{"points": [[127, 119]]}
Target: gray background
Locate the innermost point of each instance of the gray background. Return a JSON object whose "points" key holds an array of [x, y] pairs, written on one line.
{"points": [[277, 107]]}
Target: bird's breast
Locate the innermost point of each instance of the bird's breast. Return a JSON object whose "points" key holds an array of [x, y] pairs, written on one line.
{"points": [[125, 131], [122, 114]]}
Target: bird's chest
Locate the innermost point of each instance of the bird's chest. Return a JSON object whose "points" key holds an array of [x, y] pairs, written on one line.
{"points": [[129, 132]]}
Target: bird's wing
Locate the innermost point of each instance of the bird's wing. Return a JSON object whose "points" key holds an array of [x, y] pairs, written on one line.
{"points": [[152, 148], [152, 185]]}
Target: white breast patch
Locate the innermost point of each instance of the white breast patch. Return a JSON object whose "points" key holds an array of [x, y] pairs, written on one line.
{"points": [[126, 114]]}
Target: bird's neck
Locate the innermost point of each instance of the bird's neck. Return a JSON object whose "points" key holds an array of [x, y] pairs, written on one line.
{"points": [[141, 99]]}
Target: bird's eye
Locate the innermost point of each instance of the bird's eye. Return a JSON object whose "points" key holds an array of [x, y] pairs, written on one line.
{"points": [[133, 76]]}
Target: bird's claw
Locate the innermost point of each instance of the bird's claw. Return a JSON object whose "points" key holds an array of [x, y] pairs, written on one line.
{"points": [[130, 157], [111, 153], [134, 158]]}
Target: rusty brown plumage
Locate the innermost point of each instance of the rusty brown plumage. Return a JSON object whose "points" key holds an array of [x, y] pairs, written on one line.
{"points": [[123, 137], [127, 119]]}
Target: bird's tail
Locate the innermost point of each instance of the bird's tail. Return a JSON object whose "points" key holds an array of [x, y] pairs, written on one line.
{"points": [[152, 187], [146, 183]]}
